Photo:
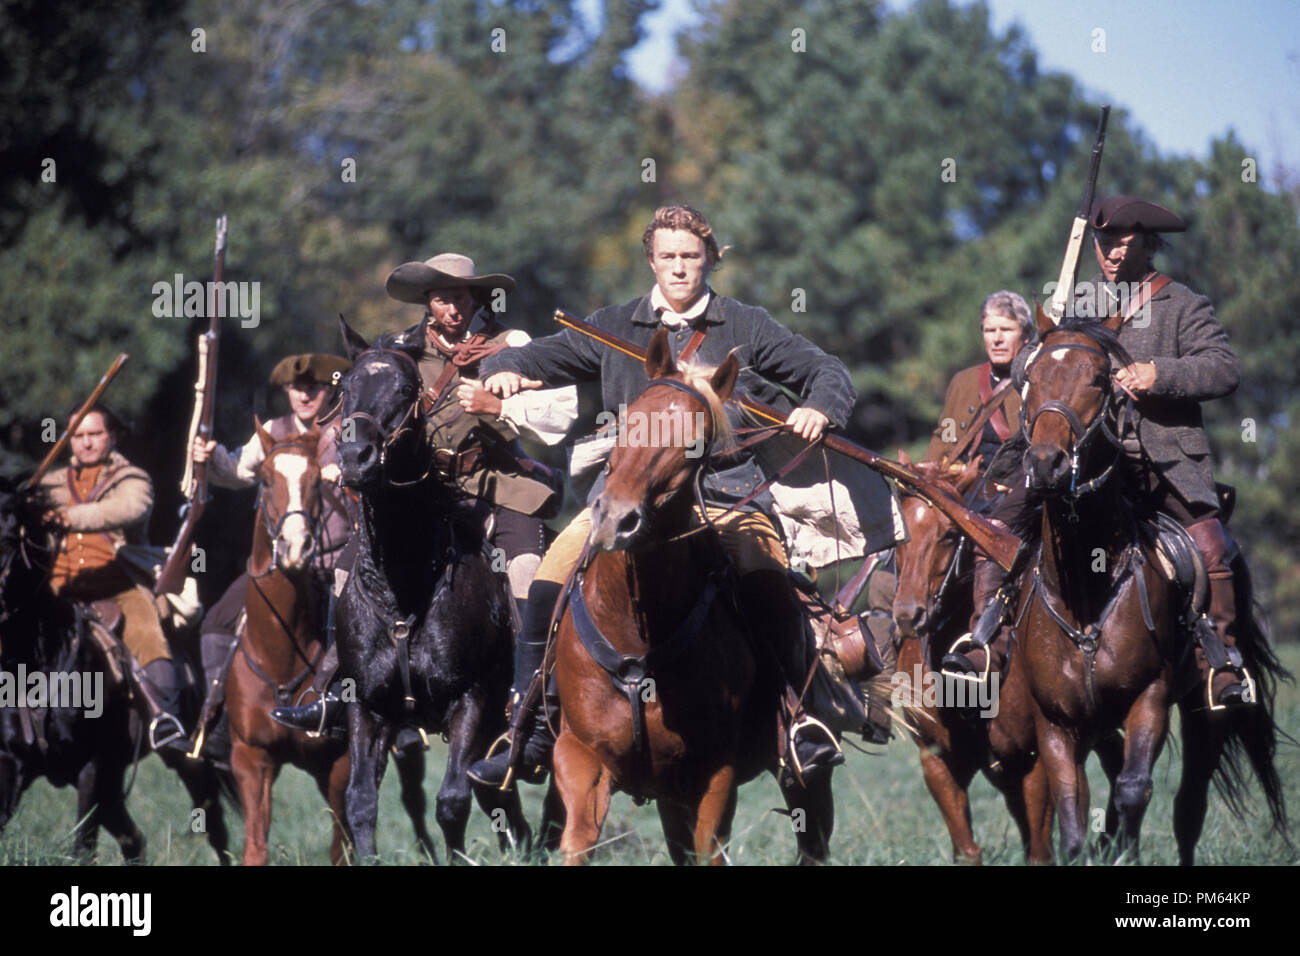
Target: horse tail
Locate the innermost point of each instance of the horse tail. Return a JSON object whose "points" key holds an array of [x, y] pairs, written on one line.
{"points": [[1252, 732]]}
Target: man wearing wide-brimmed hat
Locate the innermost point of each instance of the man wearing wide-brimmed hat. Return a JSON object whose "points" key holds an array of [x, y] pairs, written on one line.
{"points": [[1181, 358], [474, 433], [308, 381]]}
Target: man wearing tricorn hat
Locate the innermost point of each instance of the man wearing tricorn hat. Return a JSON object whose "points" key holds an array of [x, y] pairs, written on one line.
{"points": [[1181, 358], [308, 381], [473, 431]]}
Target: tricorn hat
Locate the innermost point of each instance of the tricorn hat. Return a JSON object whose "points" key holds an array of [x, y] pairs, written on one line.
{"points": [[318, 368], [413, 281], [1130, 214]]}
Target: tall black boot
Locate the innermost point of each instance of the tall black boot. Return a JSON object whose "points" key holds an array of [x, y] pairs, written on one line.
{"points": [[530, 648], [775, 618], [969, 658], [1228, 683], [323, 714], [162, 700]]}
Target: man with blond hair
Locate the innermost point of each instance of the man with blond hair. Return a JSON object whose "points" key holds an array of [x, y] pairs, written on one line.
{"points": [[681, 251]]}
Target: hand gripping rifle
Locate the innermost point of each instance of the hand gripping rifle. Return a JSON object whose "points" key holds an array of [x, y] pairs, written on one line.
{"points": [[1070, 265], [194, 484], [992, 540], [84, 410]]}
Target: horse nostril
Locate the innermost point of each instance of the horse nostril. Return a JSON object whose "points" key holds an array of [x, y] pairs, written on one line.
{"points": [[365, 454], [630, 523]]}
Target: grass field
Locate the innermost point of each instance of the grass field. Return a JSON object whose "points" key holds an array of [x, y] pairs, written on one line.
{"points": [[884, 816]]}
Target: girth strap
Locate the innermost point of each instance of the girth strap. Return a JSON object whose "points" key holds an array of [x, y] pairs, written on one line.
{"points": [[628, 673]]}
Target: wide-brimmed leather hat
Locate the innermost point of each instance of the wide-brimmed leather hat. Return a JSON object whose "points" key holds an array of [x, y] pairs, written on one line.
{"points": [[413, 281], [317, 368], [1130, 214]]}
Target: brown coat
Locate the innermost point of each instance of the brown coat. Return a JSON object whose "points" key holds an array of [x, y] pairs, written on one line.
{"points": [[961, 406], [120, 507]]}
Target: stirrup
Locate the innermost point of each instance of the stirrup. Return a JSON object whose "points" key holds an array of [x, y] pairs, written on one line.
{"points": [[808, 720], [321, 730], [174, 733], [973, 678], [1248, 693]]}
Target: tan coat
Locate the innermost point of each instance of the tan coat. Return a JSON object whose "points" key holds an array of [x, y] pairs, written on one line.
{"points": [[961, 406]]}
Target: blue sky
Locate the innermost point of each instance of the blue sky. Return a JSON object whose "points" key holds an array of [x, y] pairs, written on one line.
{"points": [[1186, 70]]}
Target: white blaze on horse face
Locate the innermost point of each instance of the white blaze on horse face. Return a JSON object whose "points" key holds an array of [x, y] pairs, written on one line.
{"points": [[291, 545]]}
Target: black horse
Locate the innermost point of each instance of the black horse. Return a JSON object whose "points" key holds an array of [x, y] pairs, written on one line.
{"points": [[423, 625], [85, 745]]}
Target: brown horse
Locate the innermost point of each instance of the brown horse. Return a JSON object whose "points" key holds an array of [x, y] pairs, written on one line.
{"points": [[280, 650], [931, 607], [693, 714], [1101, 643]]}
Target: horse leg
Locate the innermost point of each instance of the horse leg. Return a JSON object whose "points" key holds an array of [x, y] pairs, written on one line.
{"points": [[502, 808], [947, 782], [410, 771], [812, 815], [1202, 748], [332, 781], [584, 786], [1060, 750], [1144, 734], [201, 783], [678, 824], [86, 835], [1110, 752], [254, 773], [552, 825], [451, 806], [368, 739], [1036, 797], [713, 815], [105, 793]]}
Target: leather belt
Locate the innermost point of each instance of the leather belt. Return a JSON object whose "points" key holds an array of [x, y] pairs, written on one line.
{"points": [[450, 464]]}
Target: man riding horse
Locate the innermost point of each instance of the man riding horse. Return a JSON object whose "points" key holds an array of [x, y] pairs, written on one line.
{"points": [[1182, 358], [474, 431], [681, 249], [979, 393], [102, 502], [308, 382]]}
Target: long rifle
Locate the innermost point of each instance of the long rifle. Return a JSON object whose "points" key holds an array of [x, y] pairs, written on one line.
{"points": [[85, 408], [1070, 265], [992, 540], [194, 484]]}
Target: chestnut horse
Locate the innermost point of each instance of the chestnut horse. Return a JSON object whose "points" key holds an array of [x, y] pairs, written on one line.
{"points": [[1101, 643], [932, 606], [280, 650], [656, 605]]}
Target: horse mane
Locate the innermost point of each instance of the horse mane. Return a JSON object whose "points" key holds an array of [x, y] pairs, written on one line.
{"points": [[700, 378], [1104, 338]]}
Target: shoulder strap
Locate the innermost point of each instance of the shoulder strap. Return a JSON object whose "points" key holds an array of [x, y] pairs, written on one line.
{"points": [[693, 345], [990, 407]]}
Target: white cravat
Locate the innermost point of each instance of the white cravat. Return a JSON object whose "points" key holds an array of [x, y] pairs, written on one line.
{"points": [[675, 320]]}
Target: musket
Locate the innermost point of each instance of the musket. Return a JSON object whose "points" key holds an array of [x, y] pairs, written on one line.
{"points": [[1070, 265], [85, 408], [194, 483], [999, 545]]}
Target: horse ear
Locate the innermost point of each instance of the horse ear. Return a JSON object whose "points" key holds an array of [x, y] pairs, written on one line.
{"points": [[263, 435], [969, 475], [905, 459], [1114, 322], [353, 343], [659, 357], [724, 377], [1042, 319]]}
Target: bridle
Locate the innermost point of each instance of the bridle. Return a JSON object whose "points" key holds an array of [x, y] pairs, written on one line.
{"points": [[412, 421], [274, 527], [1081, 434]]}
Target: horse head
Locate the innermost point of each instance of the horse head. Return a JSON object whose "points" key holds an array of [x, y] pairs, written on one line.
{"points": [[1068, 398], [663, 439], [379, 408], [925, 560], [290, 501]]}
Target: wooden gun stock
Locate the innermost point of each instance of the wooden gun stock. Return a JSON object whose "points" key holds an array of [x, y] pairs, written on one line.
{"points": [[999, 545]]}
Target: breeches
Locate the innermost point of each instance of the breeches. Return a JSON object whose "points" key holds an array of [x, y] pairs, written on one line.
{"points": [[748, 537]]}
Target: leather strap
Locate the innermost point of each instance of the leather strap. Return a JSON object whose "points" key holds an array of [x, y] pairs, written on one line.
{"points": [[992, 405], [693, 345], [1147, 290]]}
